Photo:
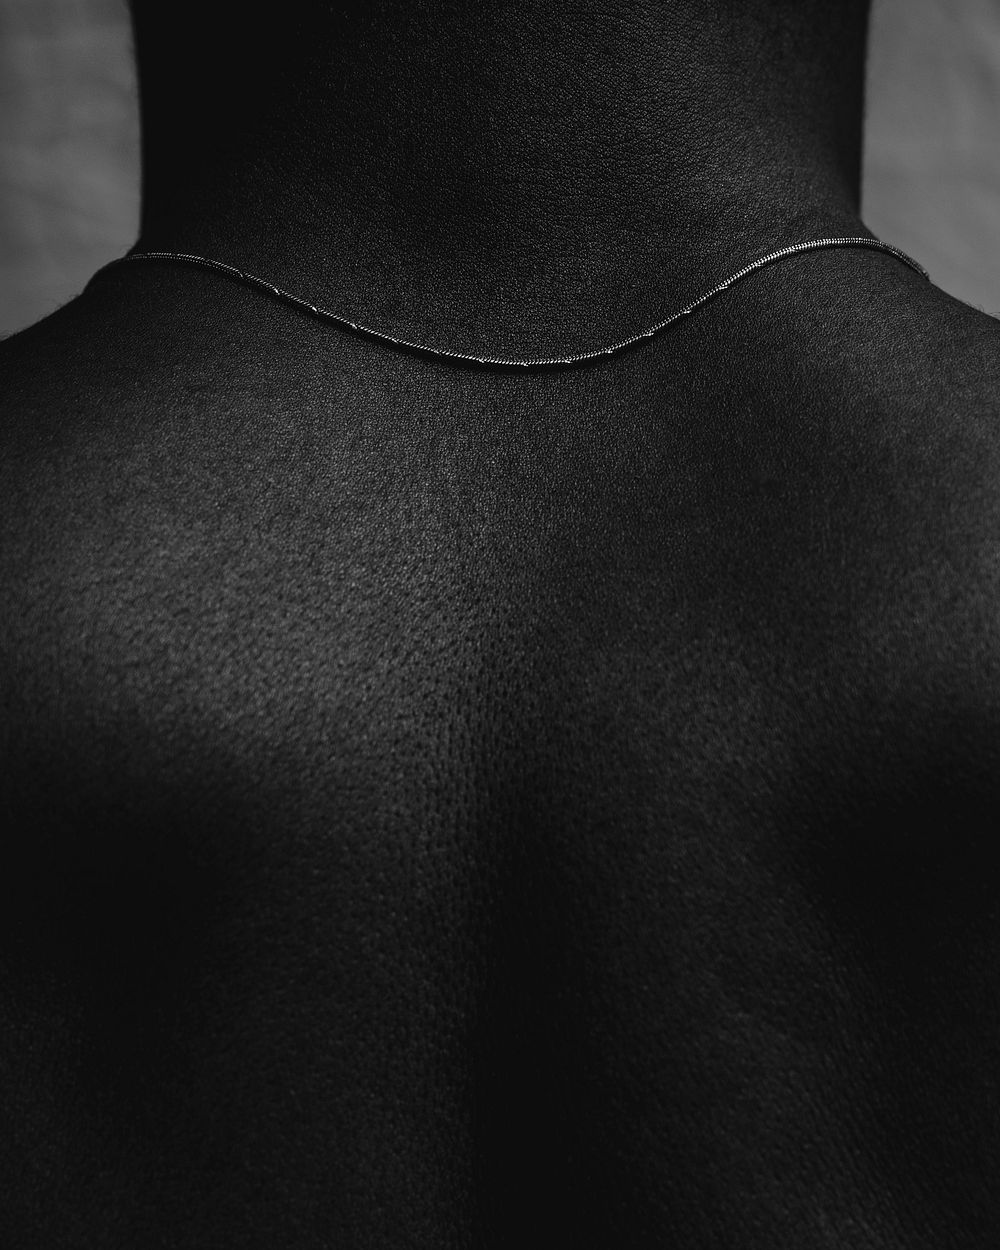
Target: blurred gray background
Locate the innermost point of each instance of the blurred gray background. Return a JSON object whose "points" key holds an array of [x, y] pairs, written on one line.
{"points": [[69, 145]]}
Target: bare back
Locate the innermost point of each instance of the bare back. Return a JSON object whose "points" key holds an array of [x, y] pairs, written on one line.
{"points": [[460, 809]]}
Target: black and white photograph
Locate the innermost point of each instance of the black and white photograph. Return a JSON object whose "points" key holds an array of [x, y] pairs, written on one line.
{"points": [[500, 625]]}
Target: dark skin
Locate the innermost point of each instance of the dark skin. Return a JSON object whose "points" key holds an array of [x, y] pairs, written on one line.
{"points": [[458, 808]]}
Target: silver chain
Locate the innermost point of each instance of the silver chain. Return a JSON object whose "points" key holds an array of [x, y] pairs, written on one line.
{"points": [[444, 353]]}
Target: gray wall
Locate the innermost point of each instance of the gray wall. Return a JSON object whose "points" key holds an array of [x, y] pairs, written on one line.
{"points": [[69, 145], [932, 161], [68, 150]]}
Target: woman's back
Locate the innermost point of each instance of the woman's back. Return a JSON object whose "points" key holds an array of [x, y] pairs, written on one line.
{"points": [[452, 808]]}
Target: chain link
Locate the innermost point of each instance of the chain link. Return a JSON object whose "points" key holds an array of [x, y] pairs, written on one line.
{"points": [[444, 353]]}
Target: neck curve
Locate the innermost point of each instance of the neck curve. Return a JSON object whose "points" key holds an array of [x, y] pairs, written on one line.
{"points": [[525, 180]]}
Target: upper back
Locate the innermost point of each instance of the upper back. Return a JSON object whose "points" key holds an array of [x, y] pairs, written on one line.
{"points": [[438, 795]]}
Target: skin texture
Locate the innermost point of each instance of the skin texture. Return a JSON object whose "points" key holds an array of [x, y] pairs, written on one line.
{"points": [[508, 180], [454, 808]]}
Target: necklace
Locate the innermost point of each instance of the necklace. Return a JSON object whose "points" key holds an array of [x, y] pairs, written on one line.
{"points": [[444, 353]]}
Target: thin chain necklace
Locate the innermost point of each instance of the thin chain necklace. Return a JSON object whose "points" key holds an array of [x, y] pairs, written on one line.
{"points": [[444, 353]]}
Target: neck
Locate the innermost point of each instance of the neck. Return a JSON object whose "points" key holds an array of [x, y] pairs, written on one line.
{"points": [[521, 178]]}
